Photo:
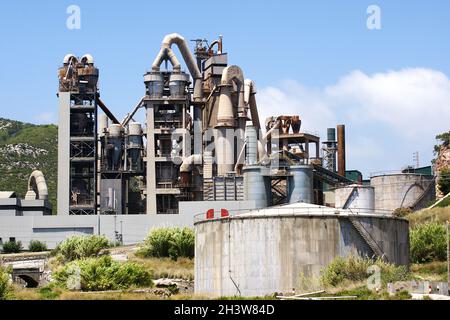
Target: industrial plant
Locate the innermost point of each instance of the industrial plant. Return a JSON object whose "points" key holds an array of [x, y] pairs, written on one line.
{"points": [[259, 192]]}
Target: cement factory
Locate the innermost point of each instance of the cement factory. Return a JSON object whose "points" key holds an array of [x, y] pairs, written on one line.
{"points": [[268, 201]]}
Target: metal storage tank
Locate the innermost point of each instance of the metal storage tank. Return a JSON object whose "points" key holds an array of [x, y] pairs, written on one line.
{"points": [[357, 198], [301, 184], [254, 185], [266, 251], [402, 190]]}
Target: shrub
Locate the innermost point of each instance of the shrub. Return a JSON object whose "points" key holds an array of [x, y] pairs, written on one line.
{"points": [[12, 247], [182, 243], [168, 242], [80, 247], [98, 274], [402, 212], [37, 246], [355, 269], [444, 181], [427, 242], [5, 286]]}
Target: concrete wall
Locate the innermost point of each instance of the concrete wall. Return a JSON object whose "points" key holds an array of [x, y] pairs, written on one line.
{"points": [[54, 229], [400, 190], [269, 254]]}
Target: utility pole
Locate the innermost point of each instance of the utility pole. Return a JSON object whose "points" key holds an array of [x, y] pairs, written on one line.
{"points": [[416, 159]]}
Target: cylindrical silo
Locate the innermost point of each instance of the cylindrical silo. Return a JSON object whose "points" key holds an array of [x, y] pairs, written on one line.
{"points": [[254, 185], [301, 184], [252, 145], [135, 146], [271, 250], [102, 124], [177, 84], [357, 198], [114, 146], [224, 145], [154, 83], [402, 190]]}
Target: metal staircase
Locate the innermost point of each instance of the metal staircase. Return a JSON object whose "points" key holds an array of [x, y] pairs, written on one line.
{"points": [[377, 250]]}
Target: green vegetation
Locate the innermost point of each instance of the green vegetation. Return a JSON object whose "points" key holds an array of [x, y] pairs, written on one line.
{"points": [[183, 268], [402, 212], [168, 242], [444, 141], [428, 242], [23, 148], [432, 271], [99, 274], [81, 247], [437, 215], [355, 269], [5, 287], [37, 246], [12, 247], [444, 181]]}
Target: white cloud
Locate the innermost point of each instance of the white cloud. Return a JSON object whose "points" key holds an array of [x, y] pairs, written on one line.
{"points": [[393, 114]]}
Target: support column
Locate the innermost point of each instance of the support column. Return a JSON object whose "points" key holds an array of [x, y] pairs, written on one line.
{"points": [[64, 154], [151, 168]]}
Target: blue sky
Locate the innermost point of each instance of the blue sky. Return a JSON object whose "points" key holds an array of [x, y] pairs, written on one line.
{"points": [[286, 47]]}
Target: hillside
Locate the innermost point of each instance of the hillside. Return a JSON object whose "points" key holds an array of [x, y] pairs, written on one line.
{"points": [[26, 147]]}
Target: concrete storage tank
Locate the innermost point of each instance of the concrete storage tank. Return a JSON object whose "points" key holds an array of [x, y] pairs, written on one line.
{"points": [[359, 199], [268, 250], [403, 190]]}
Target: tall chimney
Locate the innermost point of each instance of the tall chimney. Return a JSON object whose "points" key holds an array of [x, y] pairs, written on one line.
{"points": [[341, 149]]}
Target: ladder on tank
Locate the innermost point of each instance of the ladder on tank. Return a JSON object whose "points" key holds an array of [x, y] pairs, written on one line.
{"points": [[373, 245]]}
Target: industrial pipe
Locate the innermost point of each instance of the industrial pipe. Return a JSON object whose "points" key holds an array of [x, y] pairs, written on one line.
{"points": [[250, 101], [87, 58], [69, 57], [167, 53], [225, 113], [106, 111], [188, 162], [130, 115], [218, 43], [341, 149], [37, 187]]}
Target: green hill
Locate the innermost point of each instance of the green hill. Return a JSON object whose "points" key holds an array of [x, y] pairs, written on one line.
{"points": [[26, 147]]}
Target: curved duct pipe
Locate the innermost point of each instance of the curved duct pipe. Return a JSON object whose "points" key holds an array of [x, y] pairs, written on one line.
{"points": [[218, 43], [167, 53], [87, 58], [250, 102], [69, 57], [188, 162], [37, 187]]}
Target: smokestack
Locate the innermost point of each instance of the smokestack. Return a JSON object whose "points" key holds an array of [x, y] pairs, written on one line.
{"points": [[341, 149]]}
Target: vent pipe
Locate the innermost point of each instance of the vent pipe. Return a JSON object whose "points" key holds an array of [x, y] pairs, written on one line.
{"points": [[341, 149]]}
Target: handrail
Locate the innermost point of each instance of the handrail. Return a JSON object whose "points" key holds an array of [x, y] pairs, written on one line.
{"points": [[310, 210]]}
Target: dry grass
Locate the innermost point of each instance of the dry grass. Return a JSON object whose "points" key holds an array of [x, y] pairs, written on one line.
{"points": [[125, 296], [433, 215], [183, 268], [433, 271]]}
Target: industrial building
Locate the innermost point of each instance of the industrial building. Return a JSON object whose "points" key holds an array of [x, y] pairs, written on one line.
{"points": [[203, 150]]}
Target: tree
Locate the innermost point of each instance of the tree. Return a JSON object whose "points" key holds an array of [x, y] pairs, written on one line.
{"points": [[444, 181]]}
